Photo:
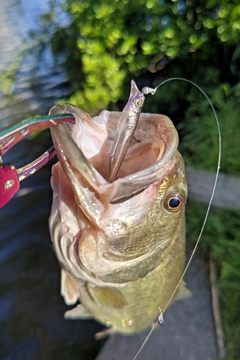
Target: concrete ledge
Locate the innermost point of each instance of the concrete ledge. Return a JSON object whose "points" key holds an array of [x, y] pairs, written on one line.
{"points": [[200, 184]]}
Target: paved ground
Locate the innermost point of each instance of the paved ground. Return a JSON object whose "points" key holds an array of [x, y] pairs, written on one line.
{"points": [[186, 334]]}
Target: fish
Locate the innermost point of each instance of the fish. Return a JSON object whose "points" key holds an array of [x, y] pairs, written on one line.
{"points": [[120, 243]]}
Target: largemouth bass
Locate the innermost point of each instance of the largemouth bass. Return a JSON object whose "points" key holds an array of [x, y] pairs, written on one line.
{"points": [[121, 244]]}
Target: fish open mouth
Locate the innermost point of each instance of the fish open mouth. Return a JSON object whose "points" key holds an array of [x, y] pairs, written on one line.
{"points": [[100, 228], [84, 149]]}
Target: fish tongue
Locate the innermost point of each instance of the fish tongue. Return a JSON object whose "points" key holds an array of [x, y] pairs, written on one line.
{"points": [[78, 171]]}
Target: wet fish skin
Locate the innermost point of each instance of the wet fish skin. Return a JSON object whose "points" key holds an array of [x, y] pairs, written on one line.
{"points": [[123, 261]]}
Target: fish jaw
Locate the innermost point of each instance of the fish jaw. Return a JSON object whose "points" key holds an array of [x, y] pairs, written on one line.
{"points": [[155, 143]]}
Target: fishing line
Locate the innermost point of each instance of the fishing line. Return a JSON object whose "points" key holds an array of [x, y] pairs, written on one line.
{"points": [[208, 207]]}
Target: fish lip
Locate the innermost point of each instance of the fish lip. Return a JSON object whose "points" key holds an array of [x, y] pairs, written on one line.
{"points": [[123, 187], [136, 183], [67, 149], [72, 159]]}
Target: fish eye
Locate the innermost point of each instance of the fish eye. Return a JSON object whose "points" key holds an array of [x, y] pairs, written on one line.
{"points": [[138, 103], [174, 202]]}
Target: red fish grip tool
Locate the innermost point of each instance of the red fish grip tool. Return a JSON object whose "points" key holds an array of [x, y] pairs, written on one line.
{"points": [[10, 177]]}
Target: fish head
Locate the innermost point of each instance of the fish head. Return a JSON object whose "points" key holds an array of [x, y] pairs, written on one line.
{"points": [[136, 98], [116, 232]]}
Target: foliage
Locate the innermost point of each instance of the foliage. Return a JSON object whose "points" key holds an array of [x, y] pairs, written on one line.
{"points": [[199, 130], [104, 44], [221, 238]]}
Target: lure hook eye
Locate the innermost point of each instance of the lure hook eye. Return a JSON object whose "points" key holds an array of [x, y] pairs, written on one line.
{"points": [[174, 202], [138, 103]]}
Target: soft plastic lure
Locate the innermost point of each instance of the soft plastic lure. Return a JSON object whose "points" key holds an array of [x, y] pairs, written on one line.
{"points": [[126, 127]]}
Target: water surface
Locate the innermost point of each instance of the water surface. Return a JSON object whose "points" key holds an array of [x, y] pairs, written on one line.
{"points": [[31, 307]]}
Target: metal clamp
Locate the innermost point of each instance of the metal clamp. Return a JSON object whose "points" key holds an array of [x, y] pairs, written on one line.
{"points": [[10, 177]]}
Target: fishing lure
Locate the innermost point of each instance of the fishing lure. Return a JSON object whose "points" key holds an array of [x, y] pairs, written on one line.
{"points": [[126, 127]]}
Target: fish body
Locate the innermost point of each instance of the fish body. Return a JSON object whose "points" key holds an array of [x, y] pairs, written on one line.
{"points": [[121, 244]]}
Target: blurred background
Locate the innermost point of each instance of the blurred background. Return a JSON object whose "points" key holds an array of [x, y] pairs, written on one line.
{"points": [[86, 52]]}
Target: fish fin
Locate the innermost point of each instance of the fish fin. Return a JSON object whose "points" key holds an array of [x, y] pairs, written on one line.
{"points": [[68, 290], [183, 292], [79, 312], [107, 296], [104, 333]]}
